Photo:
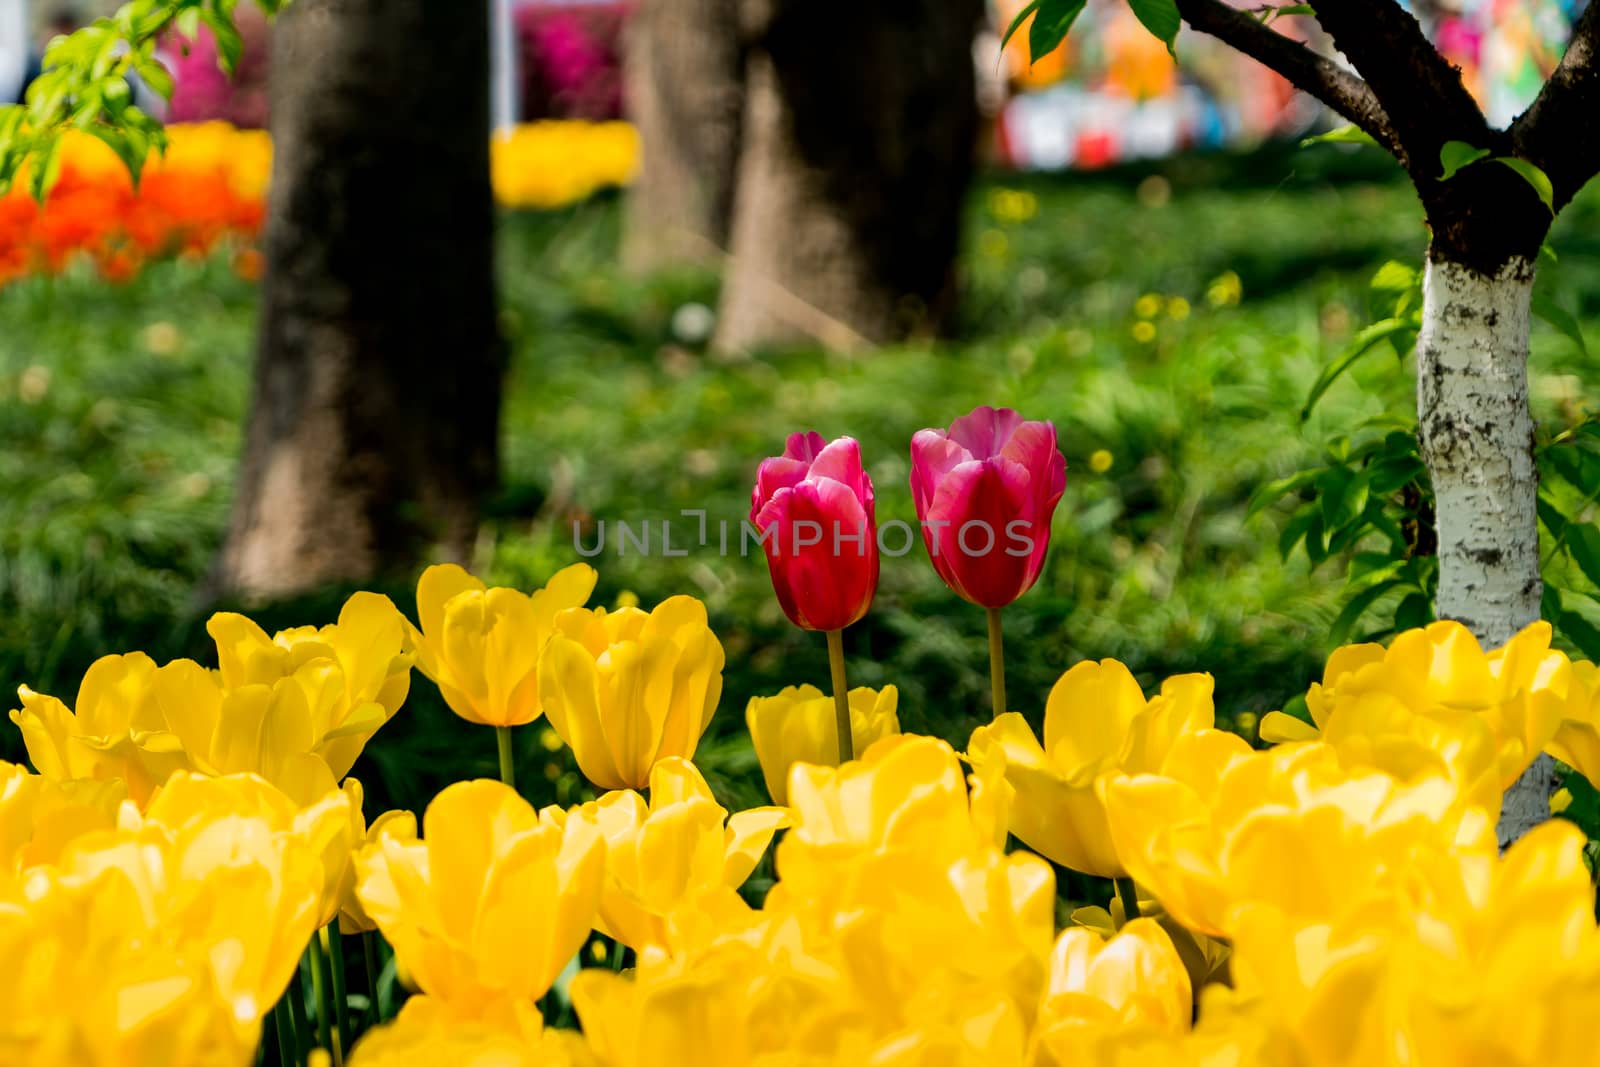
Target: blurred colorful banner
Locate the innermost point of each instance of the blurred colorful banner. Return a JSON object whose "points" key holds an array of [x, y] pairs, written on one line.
{"points": [[1112, 93]]}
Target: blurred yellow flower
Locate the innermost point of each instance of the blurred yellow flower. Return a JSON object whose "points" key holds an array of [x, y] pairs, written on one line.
{"points": [[1143, 331], [553, 163], [117, 731], [624, 689], [164, 941], [40, 816], [1225, 290], [322, 828], [667, 853], [481, 646], [492, 902], [1100, 460], [1222, 828], [1097, 723], [429, 1033], [1147, 306], [1435, 703], [1577, 741], [798, 726]]}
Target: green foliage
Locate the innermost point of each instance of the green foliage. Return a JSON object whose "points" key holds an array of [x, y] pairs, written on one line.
{"points": [[1342, 135], [85, 86], [1458, 154], [1052, 19], [1371, 504]]}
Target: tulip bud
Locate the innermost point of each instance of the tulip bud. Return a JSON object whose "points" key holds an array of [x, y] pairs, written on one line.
{"points": [[985, 492], [814, 508], [798, 726], [626, 688]]}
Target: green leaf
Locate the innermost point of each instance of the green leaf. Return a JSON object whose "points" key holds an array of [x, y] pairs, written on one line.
{"points": [[230, 46], [1392, 474], [1344, 497], [1457, 154], [1536, 178], [1342, 135], [1551, 516], [1279, 488], [1016, 23], [1359, 346], [1583, 544], [1290, 9], [1050, 25], [1161, 18], [1583, 634], [188, 23], [155, 76], [1395, 277], [1565, 322], [46, 169], [1358, 606], [1414, 611], [1294, 531]]}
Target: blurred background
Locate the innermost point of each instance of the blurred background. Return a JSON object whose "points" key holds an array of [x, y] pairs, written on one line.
{"points": [[307, 354]]}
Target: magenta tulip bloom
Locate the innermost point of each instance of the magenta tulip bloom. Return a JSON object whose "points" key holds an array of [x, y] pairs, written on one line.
{"points": [[985, 493], [814, 508]]}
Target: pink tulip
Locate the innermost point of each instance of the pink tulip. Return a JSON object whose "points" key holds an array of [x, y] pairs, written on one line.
{"points": [[814, 507], [985, 493]]}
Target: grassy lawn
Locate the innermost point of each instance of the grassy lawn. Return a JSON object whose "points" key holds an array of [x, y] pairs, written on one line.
{"points": [[1170, 322]]}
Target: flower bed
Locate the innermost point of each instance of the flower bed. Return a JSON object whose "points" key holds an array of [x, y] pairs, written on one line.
{"points": [[1336, 898], [210, 191]]}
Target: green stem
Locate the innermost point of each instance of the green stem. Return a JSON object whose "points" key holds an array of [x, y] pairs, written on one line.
{"points": [[1130, 899], [508, 771], [288, 1054], [369, 953], [841, 697], [333, 946], [617, 950], [997, 664], [320, 991], [297, 1013]]}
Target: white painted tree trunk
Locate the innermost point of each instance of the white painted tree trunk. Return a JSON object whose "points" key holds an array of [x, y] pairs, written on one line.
{"points": [[1477, 438]]}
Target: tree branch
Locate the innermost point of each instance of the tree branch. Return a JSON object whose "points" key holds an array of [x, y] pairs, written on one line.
{"points": [[1315, 75], [1554, 132], [1419, 89]]}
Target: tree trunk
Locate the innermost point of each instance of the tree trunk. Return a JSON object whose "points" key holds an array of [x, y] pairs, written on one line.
{"points": [[685, 94], [859, 135], [1476, 435], [373, 425]]}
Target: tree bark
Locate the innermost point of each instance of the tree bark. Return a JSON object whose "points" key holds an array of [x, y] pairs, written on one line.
{"points": [[685, 95], [859, 136], [373, 426]]}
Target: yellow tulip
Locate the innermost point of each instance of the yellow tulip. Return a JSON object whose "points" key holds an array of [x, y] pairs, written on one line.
{"points": [[1097, 724], [798, 726], [481, 646], [164, 941], [401, 825], [625, 689], [270, 731], [492, 902], [1225, 827], [116, 733], [1435, 701], [666, 854], [355, 673], [40, 817], [1099, 989], [1577, 741], [1484, 960], [429, 1032], [322, 828]]}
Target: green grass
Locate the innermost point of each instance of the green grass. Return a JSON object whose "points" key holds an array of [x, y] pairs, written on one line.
{"points": [[117, 474]]}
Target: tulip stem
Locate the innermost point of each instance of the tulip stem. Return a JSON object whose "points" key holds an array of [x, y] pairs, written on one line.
{"points": [[297, 1013], [508, 770], [1130, 899], [288, 1054], [841, 697], [369, 952], [320, 983], [333, 945], [997, 664]]}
